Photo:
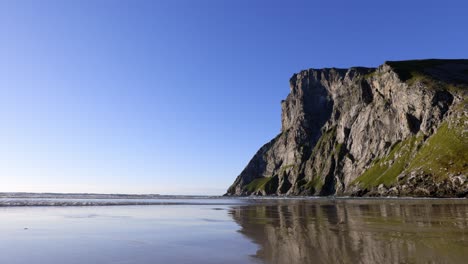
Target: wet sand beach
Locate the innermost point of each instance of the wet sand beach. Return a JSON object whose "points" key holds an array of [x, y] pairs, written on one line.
{"points": [[219, 230]]}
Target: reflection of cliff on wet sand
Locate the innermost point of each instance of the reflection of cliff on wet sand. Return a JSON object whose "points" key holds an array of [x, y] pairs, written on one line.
{"points": [[357, 231]]}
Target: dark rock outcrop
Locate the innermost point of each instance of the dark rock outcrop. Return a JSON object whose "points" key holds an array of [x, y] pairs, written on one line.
{"points": [[399, 129]]}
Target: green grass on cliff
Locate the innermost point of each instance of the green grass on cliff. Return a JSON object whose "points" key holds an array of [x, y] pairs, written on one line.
{"points": [[315, 184], [442, 154], [284, 168], [257, 184], [324, 144], [262, 184], [321, 146], [385, 170], [445, 152], [414, 71], [407, 69], [413, 68]]}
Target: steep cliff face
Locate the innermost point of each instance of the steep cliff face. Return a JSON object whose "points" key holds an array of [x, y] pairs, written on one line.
{"points": [[399, 129]]}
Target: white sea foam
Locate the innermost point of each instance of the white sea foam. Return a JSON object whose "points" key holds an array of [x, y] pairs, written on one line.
{"points": [[49, 199]]}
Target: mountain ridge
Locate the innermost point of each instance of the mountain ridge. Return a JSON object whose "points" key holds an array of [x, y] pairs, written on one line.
{"points": [[361, 131]]}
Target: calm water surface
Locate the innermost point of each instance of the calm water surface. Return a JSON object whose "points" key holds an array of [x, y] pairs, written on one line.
{"points": [[239, 231]]}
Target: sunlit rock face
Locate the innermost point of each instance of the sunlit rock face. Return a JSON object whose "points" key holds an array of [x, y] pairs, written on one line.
{"points": [[349, 131], [356, 232]]}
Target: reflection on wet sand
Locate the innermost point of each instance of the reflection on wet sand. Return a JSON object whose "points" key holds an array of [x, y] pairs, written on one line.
{"points": [[357, 231]]}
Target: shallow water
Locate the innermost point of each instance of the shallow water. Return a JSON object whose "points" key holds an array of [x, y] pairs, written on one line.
{"points": [[239, 231]]}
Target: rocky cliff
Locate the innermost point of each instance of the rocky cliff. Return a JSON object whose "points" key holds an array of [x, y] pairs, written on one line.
{"points": [[399, 129]]}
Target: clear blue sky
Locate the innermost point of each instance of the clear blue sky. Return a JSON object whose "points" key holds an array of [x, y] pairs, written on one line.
{"points": [[176, 96]]}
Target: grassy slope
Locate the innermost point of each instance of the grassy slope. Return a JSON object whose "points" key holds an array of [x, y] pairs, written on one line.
{"points": [[385, 170], [443, 153], [316, 182], [268, 184], [414, 71]]}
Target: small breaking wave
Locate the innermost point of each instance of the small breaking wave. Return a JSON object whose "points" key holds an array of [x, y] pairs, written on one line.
{"points": [[8, 202]]}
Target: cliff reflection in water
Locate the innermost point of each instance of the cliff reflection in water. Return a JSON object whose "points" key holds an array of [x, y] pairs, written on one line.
{"points": [[357, 231]]}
